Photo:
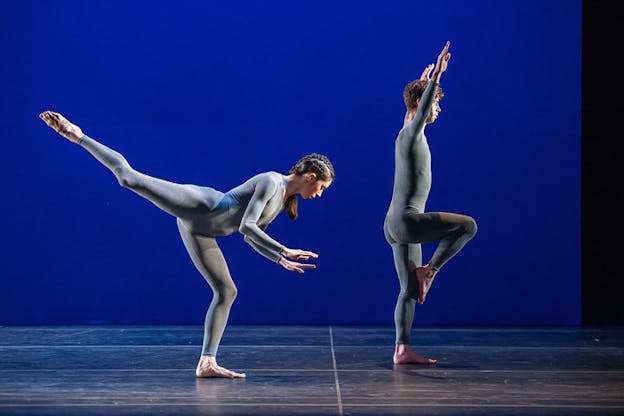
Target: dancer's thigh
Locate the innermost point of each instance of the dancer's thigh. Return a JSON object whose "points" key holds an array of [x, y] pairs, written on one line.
{"points": [[414, 227]]}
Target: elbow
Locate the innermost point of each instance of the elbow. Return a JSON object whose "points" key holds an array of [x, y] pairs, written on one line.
{"points": [[245, 228]]}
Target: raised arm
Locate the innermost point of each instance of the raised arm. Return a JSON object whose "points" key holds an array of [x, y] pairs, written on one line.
{"points": [[428, 97], [441, 63]]}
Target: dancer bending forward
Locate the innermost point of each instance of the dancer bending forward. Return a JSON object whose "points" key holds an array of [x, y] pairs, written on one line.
{"points": [[407, 225], [204, 213]]}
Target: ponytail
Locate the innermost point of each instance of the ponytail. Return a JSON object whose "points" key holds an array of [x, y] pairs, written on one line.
{"points": [[291, 206]]}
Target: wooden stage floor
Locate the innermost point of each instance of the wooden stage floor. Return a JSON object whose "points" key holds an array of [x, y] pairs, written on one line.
{"points": [[311, 370]]}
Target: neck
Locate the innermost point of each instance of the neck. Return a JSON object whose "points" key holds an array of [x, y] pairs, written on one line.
{"points": [[409, 116], [294, 185]]}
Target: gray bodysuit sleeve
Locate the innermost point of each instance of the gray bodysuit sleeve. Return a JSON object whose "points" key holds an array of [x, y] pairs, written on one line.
{"points": [[269, 254], [263, 192]]}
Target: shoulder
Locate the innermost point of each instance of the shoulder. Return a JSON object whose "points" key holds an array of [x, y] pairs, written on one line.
{"points": [[268, 182], [267, 178], [408, 135]]}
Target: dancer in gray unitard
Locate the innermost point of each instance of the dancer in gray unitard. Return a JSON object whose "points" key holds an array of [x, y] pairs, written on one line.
{"points": [[204, 213], [407, 225]]}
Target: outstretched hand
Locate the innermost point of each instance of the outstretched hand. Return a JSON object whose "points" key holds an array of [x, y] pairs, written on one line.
{"points": [[293, 266], [297, 254]]}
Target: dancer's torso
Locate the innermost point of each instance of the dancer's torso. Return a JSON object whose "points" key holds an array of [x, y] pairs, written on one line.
{"points": [[412, 174], [227, 209]]}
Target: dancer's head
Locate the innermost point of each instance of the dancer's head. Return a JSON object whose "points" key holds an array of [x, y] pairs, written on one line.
{"points": [[316, 173], [411, 96]]}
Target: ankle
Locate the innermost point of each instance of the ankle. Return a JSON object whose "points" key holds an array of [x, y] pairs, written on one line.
{"points": [[401, 349], [207, 361]]}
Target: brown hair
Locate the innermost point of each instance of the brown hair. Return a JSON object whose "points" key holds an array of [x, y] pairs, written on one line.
{"points": [[414, 90], [314, 163]]}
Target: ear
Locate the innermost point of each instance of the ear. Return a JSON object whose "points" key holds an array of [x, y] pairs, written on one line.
{"points": [[310, 176]]}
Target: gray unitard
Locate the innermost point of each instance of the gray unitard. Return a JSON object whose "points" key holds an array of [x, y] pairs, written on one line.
{"points": [[407, 225], [202, 214]]}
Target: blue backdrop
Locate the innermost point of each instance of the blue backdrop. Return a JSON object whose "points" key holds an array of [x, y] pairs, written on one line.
{"points": [[211, 93]]}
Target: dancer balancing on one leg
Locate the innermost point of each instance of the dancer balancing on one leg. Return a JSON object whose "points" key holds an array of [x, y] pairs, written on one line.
{"points": [[407, 225], [204, 213]]}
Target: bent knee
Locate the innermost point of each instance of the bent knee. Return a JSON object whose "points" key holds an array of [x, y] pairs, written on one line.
{"points": [[470, 226], [227, 293], [126, 177]]}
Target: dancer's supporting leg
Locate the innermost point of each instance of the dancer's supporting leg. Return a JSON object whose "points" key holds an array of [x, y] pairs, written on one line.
{"points": [[452, 232], [209, 260], [407, 257]]}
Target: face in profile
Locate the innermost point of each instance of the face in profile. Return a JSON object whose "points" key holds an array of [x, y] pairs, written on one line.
{"points": [[313, 187], [435, 110]]}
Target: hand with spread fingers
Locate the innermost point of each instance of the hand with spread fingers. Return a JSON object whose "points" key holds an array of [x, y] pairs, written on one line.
{"points": [[294, 266]]}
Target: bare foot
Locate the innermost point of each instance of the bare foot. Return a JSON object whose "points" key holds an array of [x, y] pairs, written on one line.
{"points": [[403, 354], [62, 126], [208, 367], [425, 275]]}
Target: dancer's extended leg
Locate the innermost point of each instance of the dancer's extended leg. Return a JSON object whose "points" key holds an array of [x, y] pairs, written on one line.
{"points": [[179, 200], [209, 260]]}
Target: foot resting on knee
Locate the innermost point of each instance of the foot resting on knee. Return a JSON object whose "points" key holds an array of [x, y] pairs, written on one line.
{"points": [[425, 275], [62, 126], [208, 367], [403, 354]]}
